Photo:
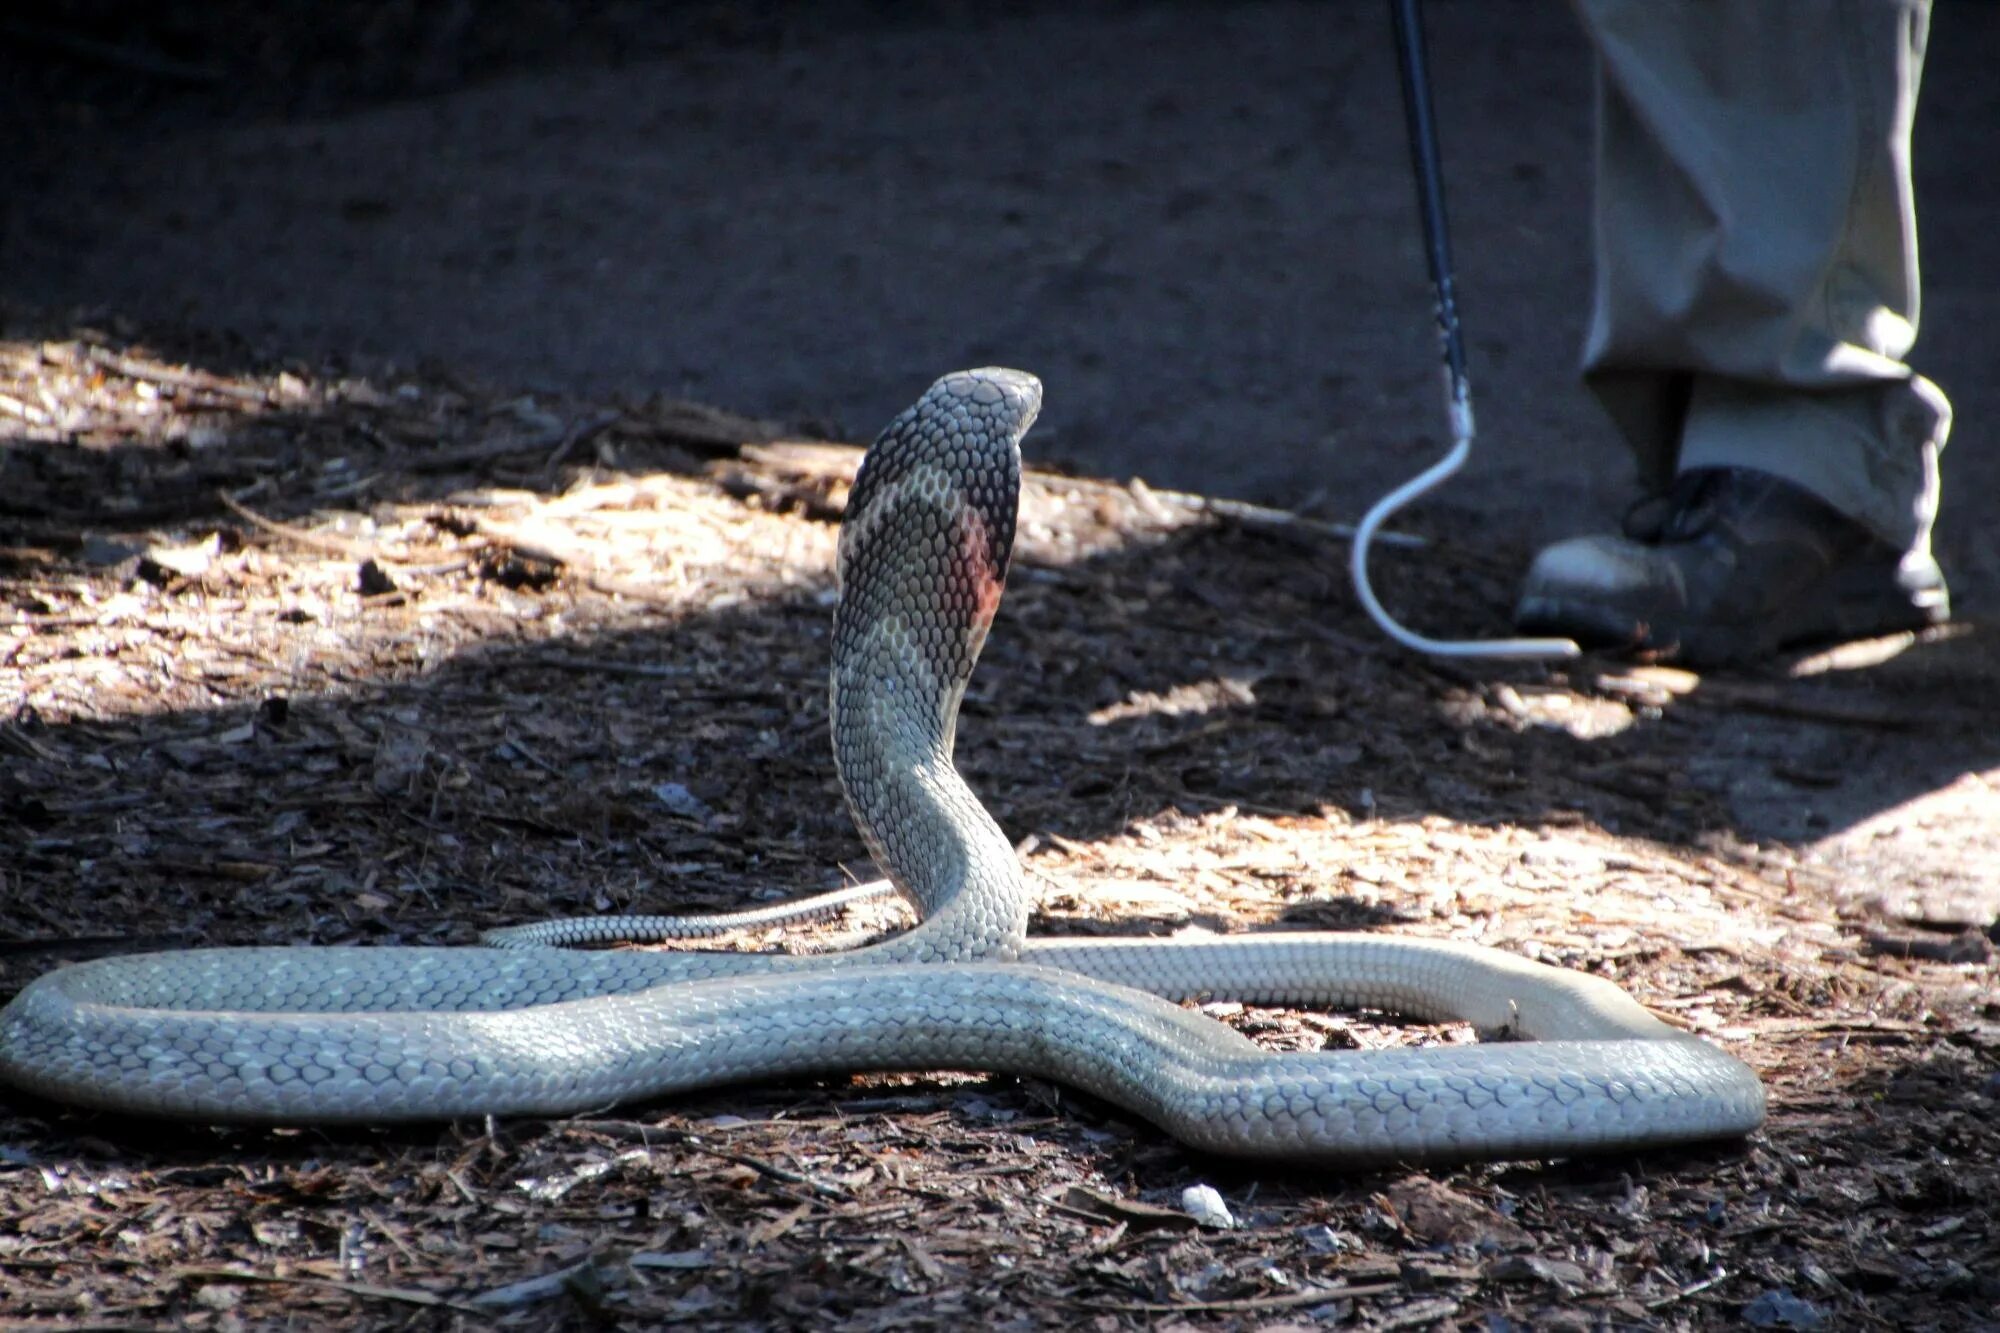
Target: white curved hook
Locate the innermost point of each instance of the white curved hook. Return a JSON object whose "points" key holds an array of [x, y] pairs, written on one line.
{"points": [[1421, 484]]}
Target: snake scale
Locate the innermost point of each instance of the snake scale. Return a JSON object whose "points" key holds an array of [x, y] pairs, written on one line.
{"points": [[329, 1035]]}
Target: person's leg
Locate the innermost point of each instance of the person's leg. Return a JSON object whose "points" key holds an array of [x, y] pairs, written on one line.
{"points": [[1756, 292]]}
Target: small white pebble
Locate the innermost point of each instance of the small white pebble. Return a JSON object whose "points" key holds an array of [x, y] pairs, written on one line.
{"points": [[1206, 1207]]}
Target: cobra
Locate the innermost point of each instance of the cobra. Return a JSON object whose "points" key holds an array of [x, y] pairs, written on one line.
{"points": [[329, 1035]]}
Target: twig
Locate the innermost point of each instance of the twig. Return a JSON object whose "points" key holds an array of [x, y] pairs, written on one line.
{"points": [[710, 430], [1288, 1300], [25, 411], [1970, 946], [407, 562], [581, 433], [632, 1131], [405, 1295], [23, 741], [1777, 1028], [1720, 1275], [546, 546], [551, 548], [1095, 1219], [826, 1189], [317, 541], [521, 748], [374, 1219], [179, 377], [1264, 516], [578, 1278]]}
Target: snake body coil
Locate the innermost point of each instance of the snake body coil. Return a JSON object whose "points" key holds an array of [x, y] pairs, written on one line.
{"points": [[314, 1035]]}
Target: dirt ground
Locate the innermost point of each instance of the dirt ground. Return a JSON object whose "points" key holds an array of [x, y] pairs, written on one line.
{"points": [[358, 590], [299, 658]]}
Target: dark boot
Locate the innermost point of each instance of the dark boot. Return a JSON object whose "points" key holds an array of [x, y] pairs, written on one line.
{"points": [[1727, 566]]}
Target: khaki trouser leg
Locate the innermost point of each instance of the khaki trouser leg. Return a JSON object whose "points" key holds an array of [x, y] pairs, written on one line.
{"points": [[1756, 252]]}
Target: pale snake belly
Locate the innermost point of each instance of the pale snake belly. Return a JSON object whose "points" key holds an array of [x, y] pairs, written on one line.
{"points": [[328, 1035]]}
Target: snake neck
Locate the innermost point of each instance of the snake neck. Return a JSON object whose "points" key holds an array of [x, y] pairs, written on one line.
{"points": [[924, 550], [925, 827]]}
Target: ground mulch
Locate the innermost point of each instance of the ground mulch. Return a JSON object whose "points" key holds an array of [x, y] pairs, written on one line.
{"points": [[299, 654]]}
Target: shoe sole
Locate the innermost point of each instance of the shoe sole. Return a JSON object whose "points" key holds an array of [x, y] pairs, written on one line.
{"points": [[1850, 603]]}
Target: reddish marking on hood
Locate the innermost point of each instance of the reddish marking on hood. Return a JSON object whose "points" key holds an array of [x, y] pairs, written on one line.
{"points": [[975, 558]]}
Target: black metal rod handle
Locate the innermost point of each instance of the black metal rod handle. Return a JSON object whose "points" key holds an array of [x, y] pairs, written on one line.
{"points": [[1413, 65]]}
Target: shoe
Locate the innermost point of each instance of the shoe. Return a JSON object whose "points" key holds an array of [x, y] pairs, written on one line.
{"points": [[1727, 566]]}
